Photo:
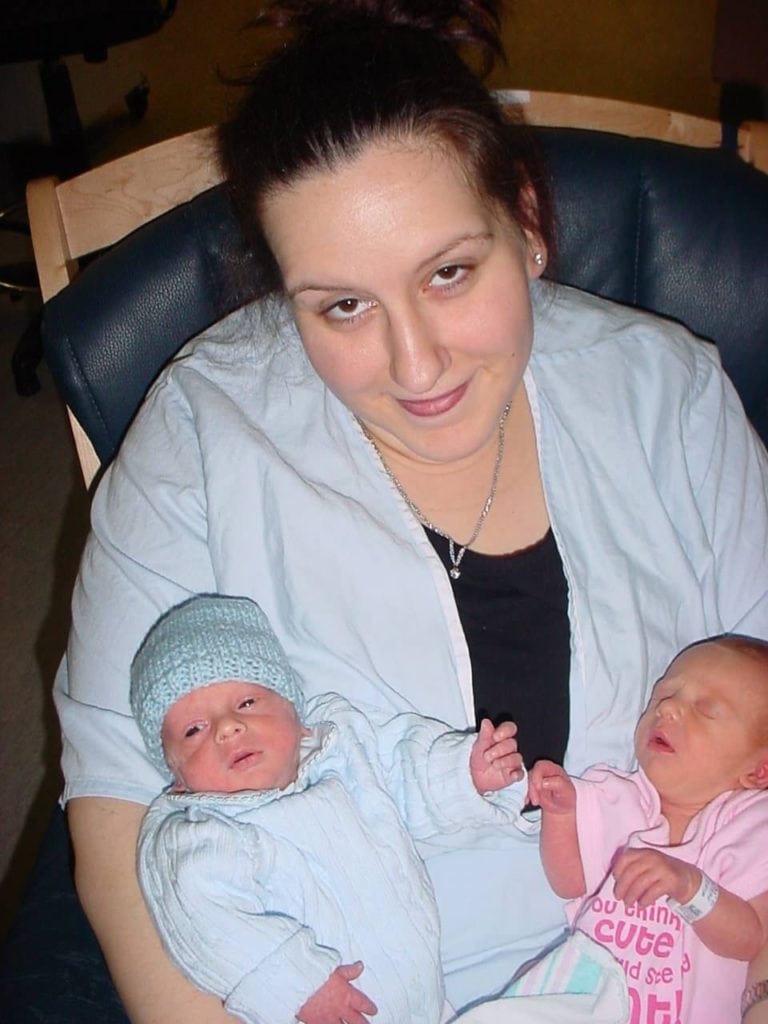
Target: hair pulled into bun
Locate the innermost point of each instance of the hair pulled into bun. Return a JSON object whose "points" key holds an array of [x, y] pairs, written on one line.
{"points": [[460, 22], [361, 72]]}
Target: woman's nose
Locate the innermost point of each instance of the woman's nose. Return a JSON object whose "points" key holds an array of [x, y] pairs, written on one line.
{"points": [[417, 356]]}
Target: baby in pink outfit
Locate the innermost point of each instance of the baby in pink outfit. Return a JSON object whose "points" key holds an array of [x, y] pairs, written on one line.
{"points": [[668, 866]]}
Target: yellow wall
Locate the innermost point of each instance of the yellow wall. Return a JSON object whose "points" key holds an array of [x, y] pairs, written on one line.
{"points": [[650, 51]]}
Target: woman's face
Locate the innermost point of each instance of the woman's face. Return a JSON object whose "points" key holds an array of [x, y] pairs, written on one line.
{"points": [[411, 296]]}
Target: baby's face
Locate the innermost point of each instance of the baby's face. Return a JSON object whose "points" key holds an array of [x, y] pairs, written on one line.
{"points": [[232, 736], [698, 737]]}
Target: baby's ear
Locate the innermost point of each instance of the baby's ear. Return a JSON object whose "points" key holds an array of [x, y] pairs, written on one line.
{"points": [[758, 777]]}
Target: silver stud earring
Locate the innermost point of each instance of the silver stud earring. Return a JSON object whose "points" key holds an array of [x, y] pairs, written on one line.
{"points": [[538, 259]]}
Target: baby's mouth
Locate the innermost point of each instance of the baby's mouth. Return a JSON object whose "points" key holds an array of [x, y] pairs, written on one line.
{"points": [[659, 742], [244, 759]]}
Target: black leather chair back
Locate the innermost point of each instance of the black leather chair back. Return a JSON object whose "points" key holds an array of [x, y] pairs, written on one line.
{"points": [[676, 230], [672, 229]]}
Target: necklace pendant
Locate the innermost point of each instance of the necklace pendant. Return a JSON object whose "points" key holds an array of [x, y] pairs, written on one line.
{"points": [[454, 572]]}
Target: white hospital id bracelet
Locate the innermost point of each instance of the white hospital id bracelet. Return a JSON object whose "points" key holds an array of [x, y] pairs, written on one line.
{"points": [[700, 904]]}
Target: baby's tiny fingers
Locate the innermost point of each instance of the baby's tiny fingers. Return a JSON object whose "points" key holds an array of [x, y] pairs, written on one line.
{"points": [[351, 971], [486, 729], [513, 761], [504, 731], [501, 750], [363, 1004]]}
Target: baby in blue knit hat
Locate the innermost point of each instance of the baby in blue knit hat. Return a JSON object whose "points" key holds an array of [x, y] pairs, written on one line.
{"points": [[280, 863], [215, 698]]}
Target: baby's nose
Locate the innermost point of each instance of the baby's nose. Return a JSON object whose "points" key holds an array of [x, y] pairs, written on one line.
{"points": [[670, 708], [229, 725]]}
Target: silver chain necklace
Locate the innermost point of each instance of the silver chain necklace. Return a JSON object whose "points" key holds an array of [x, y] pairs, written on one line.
{"points": [[455, 556]]}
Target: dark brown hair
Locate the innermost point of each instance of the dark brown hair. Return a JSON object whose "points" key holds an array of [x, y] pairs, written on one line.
{"points": [[358, 71]]}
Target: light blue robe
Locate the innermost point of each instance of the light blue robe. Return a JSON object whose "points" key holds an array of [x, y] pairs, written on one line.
{"points": [[243, 474]]}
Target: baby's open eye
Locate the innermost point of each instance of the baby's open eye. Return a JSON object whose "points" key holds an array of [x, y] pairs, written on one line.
{"points": [[247, 703], [192, 730]]}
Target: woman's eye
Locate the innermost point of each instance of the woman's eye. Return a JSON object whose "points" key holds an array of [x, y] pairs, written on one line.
{"points": [[451, 274], [347, 309]]}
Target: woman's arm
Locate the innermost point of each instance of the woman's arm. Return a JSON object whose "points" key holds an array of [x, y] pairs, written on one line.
{"points": [[757, 986], [104, 834], [728, 470]]}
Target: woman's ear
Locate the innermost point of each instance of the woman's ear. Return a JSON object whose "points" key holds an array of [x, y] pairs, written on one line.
{"points": [[535, 246], [537, 256]]}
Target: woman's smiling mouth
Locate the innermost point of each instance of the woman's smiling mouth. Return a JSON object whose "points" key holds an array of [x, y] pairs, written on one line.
{"points": [[434, 406]]}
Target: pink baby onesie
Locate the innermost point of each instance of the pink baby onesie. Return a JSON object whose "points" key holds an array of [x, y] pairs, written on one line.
{"points": [[673, 978]]}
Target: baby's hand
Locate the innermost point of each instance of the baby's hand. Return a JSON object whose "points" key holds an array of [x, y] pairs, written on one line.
{"points": [[494, 761], [338, 1001], [550, 788], [640, 877]]}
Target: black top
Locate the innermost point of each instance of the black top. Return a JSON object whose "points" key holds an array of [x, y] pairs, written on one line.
{"points": [[514, 612]]}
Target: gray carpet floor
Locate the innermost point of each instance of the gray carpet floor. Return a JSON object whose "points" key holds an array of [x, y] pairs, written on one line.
{"points": [[43, 521]]}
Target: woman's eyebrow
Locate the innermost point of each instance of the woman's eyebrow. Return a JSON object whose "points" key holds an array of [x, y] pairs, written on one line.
{"points": [[318, 286], [478, 236]]}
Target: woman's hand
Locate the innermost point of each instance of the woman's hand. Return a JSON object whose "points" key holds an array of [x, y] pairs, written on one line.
{"points": [[338, 1001], [494, 761]]}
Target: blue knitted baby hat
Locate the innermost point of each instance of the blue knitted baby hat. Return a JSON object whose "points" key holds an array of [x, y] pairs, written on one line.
{"points": [[207, 639]]}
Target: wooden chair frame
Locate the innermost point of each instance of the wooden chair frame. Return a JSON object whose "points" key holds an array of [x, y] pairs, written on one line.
{"points": [[561, 110]]}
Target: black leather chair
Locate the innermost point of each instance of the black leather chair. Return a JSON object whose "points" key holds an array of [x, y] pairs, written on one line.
{"points": [[47, 31], [680, 231], [673, 229]]}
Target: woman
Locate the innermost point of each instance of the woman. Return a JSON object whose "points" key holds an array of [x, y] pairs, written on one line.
{"points": [[455, 489]]}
